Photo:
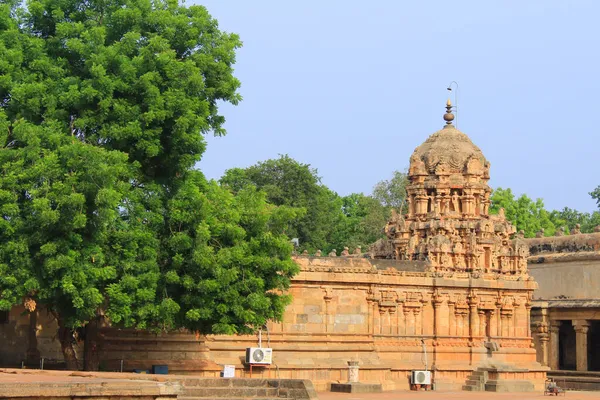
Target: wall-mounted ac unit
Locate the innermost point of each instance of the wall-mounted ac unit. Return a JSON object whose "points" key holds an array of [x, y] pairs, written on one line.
{"points": [[259, 355], [421, 378]]}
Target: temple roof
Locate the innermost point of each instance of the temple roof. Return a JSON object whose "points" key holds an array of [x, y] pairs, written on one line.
{"points": [[449, 148]]}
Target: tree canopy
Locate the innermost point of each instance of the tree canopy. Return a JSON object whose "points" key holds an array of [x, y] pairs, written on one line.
{"points": [[103, 104]]}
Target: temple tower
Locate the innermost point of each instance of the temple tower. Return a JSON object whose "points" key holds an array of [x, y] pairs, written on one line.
{"points": [[447, 222]]}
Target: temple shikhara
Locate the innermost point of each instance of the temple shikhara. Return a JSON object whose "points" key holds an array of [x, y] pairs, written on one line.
{"points": [[448, 290]]}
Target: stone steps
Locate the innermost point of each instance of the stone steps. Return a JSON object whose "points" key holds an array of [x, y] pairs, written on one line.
{"points": [[230, 392], [228, 398]]}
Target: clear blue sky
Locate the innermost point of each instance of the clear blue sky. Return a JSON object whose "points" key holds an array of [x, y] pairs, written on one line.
{"points": [[352, 87]]}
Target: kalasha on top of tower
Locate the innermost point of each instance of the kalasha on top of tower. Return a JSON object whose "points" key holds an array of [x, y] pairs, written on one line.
{"points": [[446, 221]]}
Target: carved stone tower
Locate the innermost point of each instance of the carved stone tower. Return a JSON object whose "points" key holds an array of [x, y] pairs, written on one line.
{"points": [[448, 222]]}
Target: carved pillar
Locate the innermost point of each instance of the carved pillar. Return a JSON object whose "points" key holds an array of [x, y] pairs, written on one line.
{"points": [[418, 321], [528, 320], [452, 320], [376, 319], [482, 323], [400, 315], [327, 320], [383, 320], [410, 321], [544, 338], [554, 345], [461, 323], [474, 321], [493, 323], [581, 339]]}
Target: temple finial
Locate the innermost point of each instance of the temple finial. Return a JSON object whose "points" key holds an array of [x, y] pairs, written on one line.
{"points": [[448, 117]]}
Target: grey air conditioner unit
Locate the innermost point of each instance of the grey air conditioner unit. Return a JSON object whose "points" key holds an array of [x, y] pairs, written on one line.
{"points": [[420, 378], [259, 355]]}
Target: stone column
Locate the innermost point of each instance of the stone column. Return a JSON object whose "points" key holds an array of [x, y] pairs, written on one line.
{"points": [[544, 338], [437, 311], [554, 345], [493, 323], [410, 321], [581, 336], [452, 320], [352, 371], [418, 319], [528, 321], [401, 315], [482, 323], [474, 321]]}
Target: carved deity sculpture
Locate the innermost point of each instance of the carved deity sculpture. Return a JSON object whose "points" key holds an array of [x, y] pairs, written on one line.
{"points": [[455, 204]]}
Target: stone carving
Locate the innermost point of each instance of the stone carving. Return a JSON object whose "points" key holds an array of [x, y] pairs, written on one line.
{"points": [[540, 233], [560, 231], [448, 223], [305, 253], [576, 230], [318, 253], [345, 252], [333, 253]]}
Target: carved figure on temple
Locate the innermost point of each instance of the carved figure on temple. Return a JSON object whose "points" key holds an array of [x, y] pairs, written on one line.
{"points": [[576, 230], [560, 231], [445, 201], [318, 253], [455, 205], [332, 253], [345, 252], [540, 233], [358, 250]]}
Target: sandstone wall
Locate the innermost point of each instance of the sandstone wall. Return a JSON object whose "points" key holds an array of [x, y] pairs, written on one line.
{"points": [[15, 339]]}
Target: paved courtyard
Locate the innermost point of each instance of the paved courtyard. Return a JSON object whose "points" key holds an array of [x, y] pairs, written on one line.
{"points": [[433, 395]]}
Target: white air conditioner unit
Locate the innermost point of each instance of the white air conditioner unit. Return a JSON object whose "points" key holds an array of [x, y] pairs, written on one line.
{"points": [[421, 378], [259, 355]]}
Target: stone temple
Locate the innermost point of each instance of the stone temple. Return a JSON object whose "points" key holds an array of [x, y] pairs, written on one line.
{"points": [[448, 290]]}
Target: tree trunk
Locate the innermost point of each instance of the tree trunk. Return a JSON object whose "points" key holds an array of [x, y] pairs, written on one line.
{"points": [[65, 335], [91, 357], [33, 354]]}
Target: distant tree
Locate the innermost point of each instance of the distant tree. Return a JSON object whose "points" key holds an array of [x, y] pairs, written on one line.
{"points": [[364, 219], [569, 218], [526, 214], [287, 182], [596, 195], [392, 193]]}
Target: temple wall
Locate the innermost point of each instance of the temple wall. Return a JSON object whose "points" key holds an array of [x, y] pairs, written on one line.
{"points": [[15, 334], [348, 309], [577, 279]]}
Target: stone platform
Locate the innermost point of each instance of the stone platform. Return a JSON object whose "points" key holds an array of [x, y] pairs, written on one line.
{"points": [[356, 387]]}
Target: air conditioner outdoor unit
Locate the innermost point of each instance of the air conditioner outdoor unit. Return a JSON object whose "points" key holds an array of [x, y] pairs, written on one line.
{"points": [[421, 378], [259, 355]]}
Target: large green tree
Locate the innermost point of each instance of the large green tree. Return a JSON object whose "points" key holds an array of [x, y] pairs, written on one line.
{"points": [[103, 104]]}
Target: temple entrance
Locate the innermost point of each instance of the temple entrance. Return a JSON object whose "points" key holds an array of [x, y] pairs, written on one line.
{"points": [[567, 356], [594, 346]]}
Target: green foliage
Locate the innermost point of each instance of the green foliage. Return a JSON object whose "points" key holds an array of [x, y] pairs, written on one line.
{"points": [[526, 214], [364, 220], [289, 183], [69, 230], [596, 195], [392, 193], [569, 218], [228, 258], [103, 104]]}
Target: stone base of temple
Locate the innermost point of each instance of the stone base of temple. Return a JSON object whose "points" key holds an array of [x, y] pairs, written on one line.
{"points": [[356, 387]]}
